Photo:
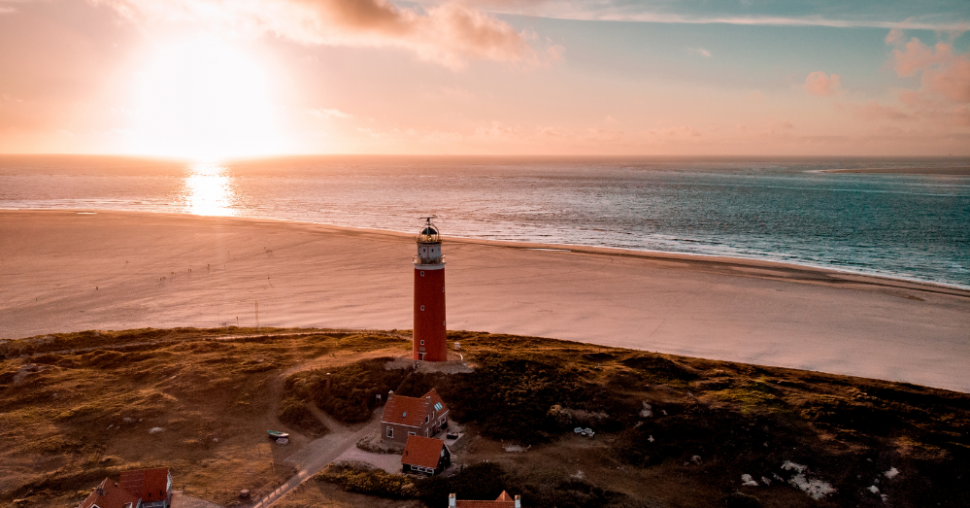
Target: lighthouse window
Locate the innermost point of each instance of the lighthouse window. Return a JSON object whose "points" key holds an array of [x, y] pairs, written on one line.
{"points": [[422, 307], [422, 342], [422, 273]]}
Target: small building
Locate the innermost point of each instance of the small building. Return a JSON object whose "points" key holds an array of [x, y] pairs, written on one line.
{"points": [[425, 455], [412, 416], [503, 501], [152, 486], [109, 495]]}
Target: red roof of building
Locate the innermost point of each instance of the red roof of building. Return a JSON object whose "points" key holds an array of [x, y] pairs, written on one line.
{"points": [[148, 484], [109, 495], [412, 411], [422, 451], [503, 501]]}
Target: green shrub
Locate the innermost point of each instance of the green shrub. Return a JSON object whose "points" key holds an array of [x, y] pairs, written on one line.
{"points": [[294, 413], [353, 390], [739, 500], [373, 482], [485, 480]]}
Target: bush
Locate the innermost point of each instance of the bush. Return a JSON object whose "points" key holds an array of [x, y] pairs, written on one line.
{"points": [[353, 389], [739, 500], [372, 482], [294, 413], [485, 480]]}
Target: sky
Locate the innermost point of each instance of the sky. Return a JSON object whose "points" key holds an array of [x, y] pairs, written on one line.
{"points": [[217, 79]]}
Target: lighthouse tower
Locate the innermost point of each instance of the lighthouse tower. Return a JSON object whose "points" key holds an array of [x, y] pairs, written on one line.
{"points": [[430, 327]]}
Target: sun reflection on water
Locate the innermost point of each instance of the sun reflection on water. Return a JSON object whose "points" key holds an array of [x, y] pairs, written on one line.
{"points": [[209, 190]]}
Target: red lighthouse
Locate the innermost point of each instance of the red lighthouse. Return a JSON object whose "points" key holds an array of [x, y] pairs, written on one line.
{"points": [[430, 327]]}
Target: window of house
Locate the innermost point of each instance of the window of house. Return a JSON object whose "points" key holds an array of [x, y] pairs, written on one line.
{"points": [[412, 434], [438, 406], [390, 432]]}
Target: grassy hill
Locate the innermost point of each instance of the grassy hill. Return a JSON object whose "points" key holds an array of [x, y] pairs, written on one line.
{"points": [[671, 431]]}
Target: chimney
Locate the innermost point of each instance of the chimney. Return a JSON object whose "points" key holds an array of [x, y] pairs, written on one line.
{"points": [[518, 501], [452, 501]]}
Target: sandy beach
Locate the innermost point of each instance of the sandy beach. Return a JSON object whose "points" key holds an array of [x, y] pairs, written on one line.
{"points": [[67, 271]]}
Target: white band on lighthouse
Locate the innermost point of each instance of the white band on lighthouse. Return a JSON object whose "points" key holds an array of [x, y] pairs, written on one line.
{"points": [[436, 266]]}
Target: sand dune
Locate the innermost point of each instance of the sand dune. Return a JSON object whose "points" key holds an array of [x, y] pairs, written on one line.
{"points": [[64, 271]]}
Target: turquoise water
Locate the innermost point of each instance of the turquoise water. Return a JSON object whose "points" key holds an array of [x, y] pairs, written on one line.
{"points": [[908, 226]]}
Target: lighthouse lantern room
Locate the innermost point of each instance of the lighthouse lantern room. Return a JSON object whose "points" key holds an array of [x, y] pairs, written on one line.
{"points": [[430, 326]]}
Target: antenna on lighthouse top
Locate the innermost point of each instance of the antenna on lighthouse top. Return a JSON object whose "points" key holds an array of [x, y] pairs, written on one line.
{"points": [[430, 232]]}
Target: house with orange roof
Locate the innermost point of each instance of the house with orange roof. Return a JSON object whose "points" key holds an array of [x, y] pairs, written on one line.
{"points": [[503, 501], [109, 495], [425, 456], [152, 486], [141, 488], [413, 416]]}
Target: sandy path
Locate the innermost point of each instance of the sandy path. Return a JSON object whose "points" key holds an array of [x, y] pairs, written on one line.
{"points": [[60, 271]]}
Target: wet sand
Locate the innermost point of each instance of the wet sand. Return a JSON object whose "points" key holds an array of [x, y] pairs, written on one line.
{"points": [[63, 271]]}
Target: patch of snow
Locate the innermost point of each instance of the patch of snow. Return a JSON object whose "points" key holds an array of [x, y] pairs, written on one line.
{"points": [[791, 466], [816, 489], [885, 498], [765, 481], [696, 459], [748, 481], [651, 439], [892, 473], [155, 430], [579, 475], [511, 448], [664, 412], [873, 489]]}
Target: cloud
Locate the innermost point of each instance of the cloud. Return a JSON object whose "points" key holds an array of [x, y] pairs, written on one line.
{"points": [[608, 11], [449, 34], [700, 51], [894, 36], [324, 113], [817, 83], [943, 72], [873, 110]]}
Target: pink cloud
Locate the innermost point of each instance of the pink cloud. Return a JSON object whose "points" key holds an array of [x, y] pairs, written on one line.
{"points": [[945, 76], [818, 83], [449, 34], [873, 110]]}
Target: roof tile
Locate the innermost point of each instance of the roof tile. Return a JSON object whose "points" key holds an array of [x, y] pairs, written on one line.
{"points": [[422, 451]]}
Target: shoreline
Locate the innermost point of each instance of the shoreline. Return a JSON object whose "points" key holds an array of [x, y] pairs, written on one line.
{"points": [[877, 279], [61, 271]]}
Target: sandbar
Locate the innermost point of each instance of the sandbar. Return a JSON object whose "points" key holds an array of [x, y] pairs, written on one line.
{"points": [[64, 271], [957, 171]]}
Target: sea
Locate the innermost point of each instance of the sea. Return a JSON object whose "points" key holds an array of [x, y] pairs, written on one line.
{"points": [[902, 218]]}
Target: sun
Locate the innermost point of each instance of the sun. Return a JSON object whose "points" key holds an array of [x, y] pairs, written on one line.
{"points": [[201, 98]]}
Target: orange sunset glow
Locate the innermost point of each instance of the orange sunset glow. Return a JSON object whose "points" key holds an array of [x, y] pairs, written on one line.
{"points": [[484, 253], [205, 79]]}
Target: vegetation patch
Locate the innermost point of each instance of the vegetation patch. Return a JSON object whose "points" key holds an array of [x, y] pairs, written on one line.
{"points": [[364, 480], [294, 413], [348, 393]]}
